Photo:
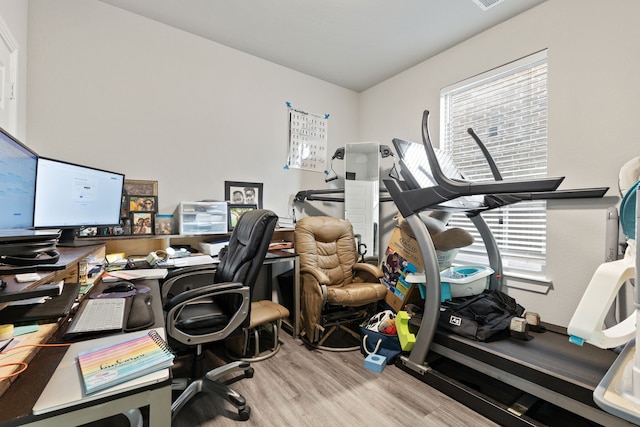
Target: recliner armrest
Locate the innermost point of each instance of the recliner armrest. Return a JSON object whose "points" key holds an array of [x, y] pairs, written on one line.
{"points": [[319, 275], [367, 268]]}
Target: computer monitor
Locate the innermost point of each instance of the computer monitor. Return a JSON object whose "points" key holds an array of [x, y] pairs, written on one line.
{"points": [[71, 196], [17, 183]]}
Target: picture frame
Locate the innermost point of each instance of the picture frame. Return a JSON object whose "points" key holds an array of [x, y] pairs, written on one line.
{"points": [[235, 211], [124, 207], [88, 232], [142, 223], [140, 187], [142, 203], [118, 230], [164, 224], [243, 193]]}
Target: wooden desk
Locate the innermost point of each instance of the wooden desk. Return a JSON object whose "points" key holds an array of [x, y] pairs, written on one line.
{"points": [[69, 259], [140, 246], [23, 394], [66, 269]]}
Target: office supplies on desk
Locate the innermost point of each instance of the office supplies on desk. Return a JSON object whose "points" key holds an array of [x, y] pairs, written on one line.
{"points": [[113, 364], [40, 291], [6, 344], [50, 311], [117, 287], [140, 314], [98, 315], [6, 331], [191, 261], [27, 277], [24, 330]]}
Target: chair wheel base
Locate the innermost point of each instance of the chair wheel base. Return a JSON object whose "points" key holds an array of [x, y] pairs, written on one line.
{"points": [[248, 373], [244, 414]]}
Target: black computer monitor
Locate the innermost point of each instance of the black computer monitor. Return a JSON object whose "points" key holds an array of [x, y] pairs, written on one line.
{"points": [[71, 197], [17, 183]]}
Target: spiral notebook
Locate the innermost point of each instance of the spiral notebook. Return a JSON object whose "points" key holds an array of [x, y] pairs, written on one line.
{"points": [[113, 364]]}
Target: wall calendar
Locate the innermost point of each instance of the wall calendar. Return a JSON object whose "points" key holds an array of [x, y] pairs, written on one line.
{"points": [[307, 141]]}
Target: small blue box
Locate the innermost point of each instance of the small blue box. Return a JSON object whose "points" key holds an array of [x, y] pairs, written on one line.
{"points": [[375, 362]]}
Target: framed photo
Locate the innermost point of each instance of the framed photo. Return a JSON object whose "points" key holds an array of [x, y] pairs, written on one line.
{"points": [[141, 187], [124, 207], [236, 211], [164, 224], [141, 203], [88, 232], [142, 223], [118, 230], [243, 193]]}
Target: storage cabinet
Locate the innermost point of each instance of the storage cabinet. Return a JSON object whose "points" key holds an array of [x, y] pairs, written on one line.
{"points": [[201, 218]]}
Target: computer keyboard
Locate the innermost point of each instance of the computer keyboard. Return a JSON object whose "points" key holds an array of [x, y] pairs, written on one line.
{"points": [[98, 315]]}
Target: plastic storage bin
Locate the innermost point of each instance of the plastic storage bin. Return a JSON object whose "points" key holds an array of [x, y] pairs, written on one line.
{"points": [[465, 280], [202, 218]]}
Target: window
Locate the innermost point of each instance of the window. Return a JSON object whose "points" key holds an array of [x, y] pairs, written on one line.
{"points": [[507, 109]]}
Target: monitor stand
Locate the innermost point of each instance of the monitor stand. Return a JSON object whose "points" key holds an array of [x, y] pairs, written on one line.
{"points": [[68, 239]]}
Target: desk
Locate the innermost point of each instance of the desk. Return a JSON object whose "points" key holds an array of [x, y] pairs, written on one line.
{"points": [[275, 256], [76, 408], [66, 269], [142, 245], [69, 259]]}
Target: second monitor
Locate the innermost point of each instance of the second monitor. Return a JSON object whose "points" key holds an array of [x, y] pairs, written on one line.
{"points": [[71, 196]]}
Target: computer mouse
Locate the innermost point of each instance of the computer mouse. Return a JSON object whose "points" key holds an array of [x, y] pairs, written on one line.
{"points": [[121, 286]]}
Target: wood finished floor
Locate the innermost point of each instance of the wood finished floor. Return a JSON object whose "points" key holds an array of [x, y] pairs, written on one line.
{"points": [[299, 386]]}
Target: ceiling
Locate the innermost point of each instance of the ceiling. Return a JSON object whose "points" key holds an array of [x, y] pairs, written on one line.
{"points": [[355, 44]]}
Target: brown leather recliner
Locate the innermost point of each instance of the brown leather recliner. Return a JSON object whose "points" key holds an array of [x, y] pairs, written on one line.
{"points": [[331, 274]]}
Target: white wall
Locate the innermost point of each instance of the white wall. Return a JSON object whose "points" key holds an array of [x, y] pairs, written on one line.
{"points": [[111, 89], [115, 90], [14, 15], [594, 100]]}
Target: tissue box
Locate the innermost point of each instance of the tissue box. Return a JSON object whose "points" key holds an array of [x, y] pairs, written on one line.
{"points": [[375, 362]]}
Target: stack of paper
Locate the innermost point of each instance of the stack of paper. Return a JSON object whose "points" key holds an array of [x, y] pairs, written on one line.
{"points": [[141, 273]]}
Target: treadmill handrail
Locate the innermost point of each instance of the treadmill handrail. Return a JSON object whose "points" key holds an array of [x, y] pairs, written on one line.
{"points": [[475, 188], [485, 151]]}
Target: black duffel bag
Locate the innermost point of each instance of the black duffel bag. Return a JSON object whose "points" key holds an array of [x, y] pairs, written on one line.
{"points": [[482, 317]]}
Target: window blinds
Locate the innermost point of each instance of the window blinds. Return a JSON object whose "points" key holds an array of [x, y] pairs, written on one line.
{"points": [[507, 109]]}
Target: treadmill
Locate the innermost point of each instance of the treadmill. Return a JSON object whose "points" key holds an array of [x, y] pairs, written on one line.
{"points": [[510, 381]]}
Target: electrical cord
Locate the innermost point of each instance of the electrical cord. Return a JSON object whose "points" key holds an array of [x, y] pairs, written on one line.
{"points": [[23, 365]]}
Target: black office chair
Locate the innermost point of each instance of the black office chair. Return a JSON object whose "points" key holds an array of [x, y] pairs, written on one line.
{"points": [[208, 305]]}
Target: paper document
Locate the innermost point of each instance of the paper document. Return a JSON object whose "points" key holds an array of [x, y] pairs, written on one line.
{"points": [[27, 277], [141, 273], [192, 260]]}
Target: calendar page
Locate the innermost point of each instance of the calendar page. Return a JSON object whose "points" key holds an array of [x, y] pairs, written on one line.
{"points": [[307, 141]]}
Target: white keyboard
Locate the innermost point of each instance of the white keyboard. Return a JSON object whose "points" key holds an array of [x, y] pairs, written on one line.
{"points": [[105, 314]]}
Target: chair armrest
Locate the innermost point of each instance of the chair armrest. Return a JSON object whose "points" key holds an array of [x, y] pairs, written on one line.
{"points": [[203, 291], [371, 269], [316, 273], [175, 306], [186, 278]]}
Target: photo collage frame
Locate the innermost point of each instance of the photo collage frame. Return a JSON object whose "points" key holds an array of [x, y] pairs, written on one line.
{"points": [[138, 212], [241, 197]]}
